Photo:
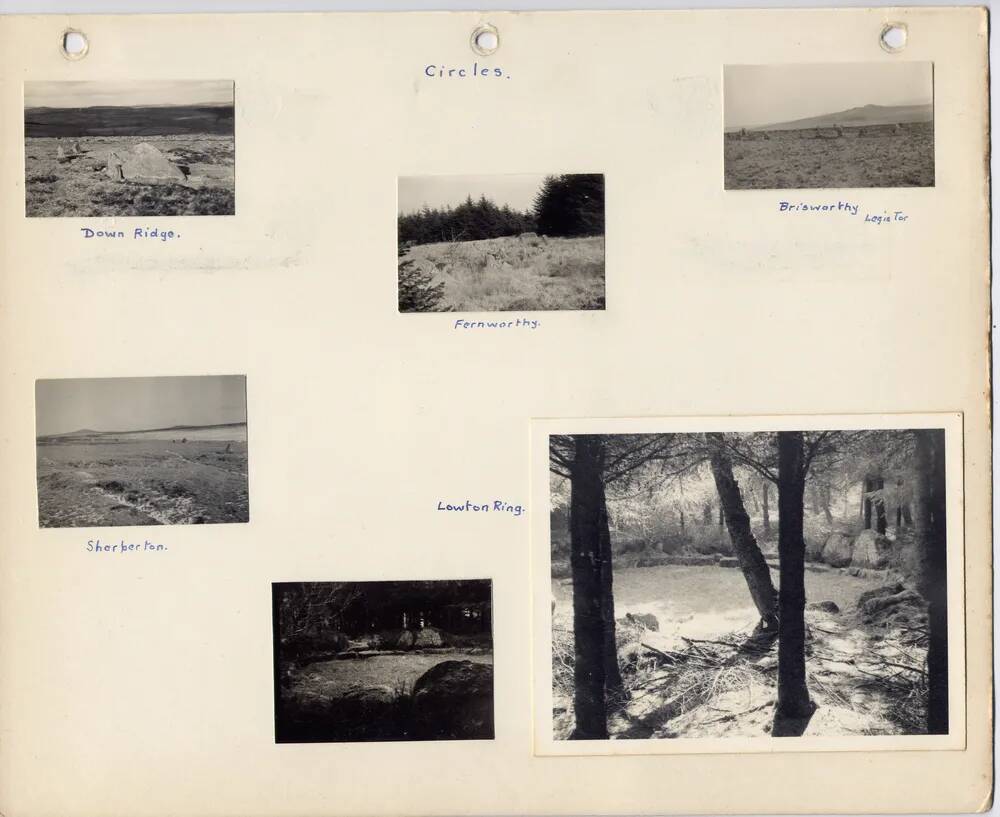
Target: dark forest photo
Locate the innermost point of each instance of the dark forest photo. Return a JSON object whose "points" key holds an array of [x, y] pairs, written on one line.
{"points": [[784, 583], [501, 243], [383, 660]]}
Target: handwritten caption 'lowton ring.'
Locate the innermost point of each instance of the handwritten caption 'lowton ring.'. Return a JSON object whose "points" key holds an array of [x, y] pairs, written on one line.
{"points": [[485, 39], [893, 37], [74, 44]]}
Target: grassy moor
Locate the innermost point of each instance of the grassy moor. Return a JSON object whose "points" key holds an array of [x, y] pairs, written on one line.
{"points": [[514, 273], [173, 476]]}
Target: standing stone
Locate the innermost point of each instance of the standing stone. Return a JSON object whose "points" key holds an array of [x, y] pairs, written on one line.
{"points": [[837, 550], [114, 170], [871, 550]]}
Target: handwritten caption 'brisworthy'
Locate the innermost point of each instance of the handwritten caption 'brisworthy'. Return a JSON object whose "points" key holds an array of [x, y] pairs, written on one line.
{"points": [[846, 208]]}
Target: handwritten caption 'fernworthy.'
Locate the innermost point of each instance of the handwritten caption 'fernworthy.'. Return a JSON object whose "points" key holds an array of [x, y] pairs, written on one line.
{"points": [[139, 232], [845, 208], [523, 323], [97, 546], [496, 506]]}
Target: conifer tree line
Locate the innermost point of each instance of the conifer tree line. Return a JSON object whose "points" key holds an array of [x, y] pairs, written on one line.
{"points": [[566, 206]]}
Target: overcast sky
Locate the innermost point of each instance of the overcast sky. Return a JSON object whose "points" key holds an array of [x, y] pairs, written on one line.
{"points": [[87, 94], [772, 94], [516, 190], [137, 403]]}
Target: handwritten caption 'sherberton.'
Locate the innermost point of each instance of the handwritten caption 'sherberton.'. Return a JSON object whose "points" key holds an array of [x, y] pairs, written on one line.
{"points": [[97, 546]]}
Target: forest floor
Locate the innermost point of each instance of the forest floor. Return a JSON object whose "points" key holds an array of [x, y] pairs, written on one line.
{"points": [[80, 187], [699, 675], [390, 671], [504, 274], [366, 694]]}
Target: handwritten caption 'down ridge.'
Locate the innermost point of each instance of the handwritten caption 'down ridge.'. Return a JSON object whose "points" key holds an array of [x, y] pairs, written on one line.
{"points": [[154, 233]]}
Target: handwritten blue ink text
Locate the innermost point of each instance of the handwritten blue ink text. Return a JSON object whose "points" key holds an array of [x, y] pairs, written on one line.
{"points": [[845, 207], [527, 323], [477, 70], [97, 546], [497, 506], [138, 232]]}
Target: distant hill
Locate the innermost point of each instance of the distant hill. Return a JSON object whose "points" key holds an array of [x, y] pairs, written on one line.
{"points": [[220, 431], [858, 117], [111, 120]]}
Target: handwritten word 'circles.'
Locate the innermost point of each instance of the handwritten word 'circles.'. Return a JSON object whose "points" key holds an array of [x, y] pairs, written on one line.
{"points": [[464, 72]]}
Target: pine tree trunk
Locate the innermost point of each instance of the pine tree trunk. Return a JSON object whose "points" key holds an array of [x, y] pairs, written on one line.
{"points": [[585, 523], [825, 497], [793, 696], [931, 567], [612, 672], [752, 563], [765, 508], [880, 521]]}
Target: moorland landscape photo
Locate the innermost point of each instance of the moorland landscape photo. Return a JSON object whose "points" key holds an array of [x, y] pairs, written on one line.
{"points": [[501, 243], [749, 585], [829, 125], [383, 661], [141, 451], [151, 148]]}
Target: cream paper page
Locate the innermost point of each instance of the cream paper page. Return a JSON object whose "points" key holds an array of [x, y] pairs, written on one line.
{"points": [[143, 682]]}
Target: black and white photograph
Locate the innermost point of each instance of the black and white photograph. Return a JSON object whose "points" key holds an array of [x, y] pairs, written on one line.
{"points": [[383, 661], [829, 125], [141, 451], [141, 148], [747, 584], [502, 243]]}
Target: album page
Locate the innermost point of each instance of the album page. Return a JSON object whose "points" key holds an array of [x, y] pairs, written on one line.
{"points": [[509, 413]]}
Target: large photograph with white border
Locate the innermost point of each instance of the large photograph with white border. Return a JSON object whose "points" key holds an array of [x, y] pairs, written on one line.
{"points": [[748, 584]]}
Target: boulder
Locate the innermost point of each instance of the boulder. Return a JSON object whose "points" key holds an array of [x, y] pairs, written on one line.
{"points": [[837, 550], [428, 637], [647, 620], [824, 606], [873, 607], [885, 590], [871, 550], [453, 700], [814, 549], [145, 163]]}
